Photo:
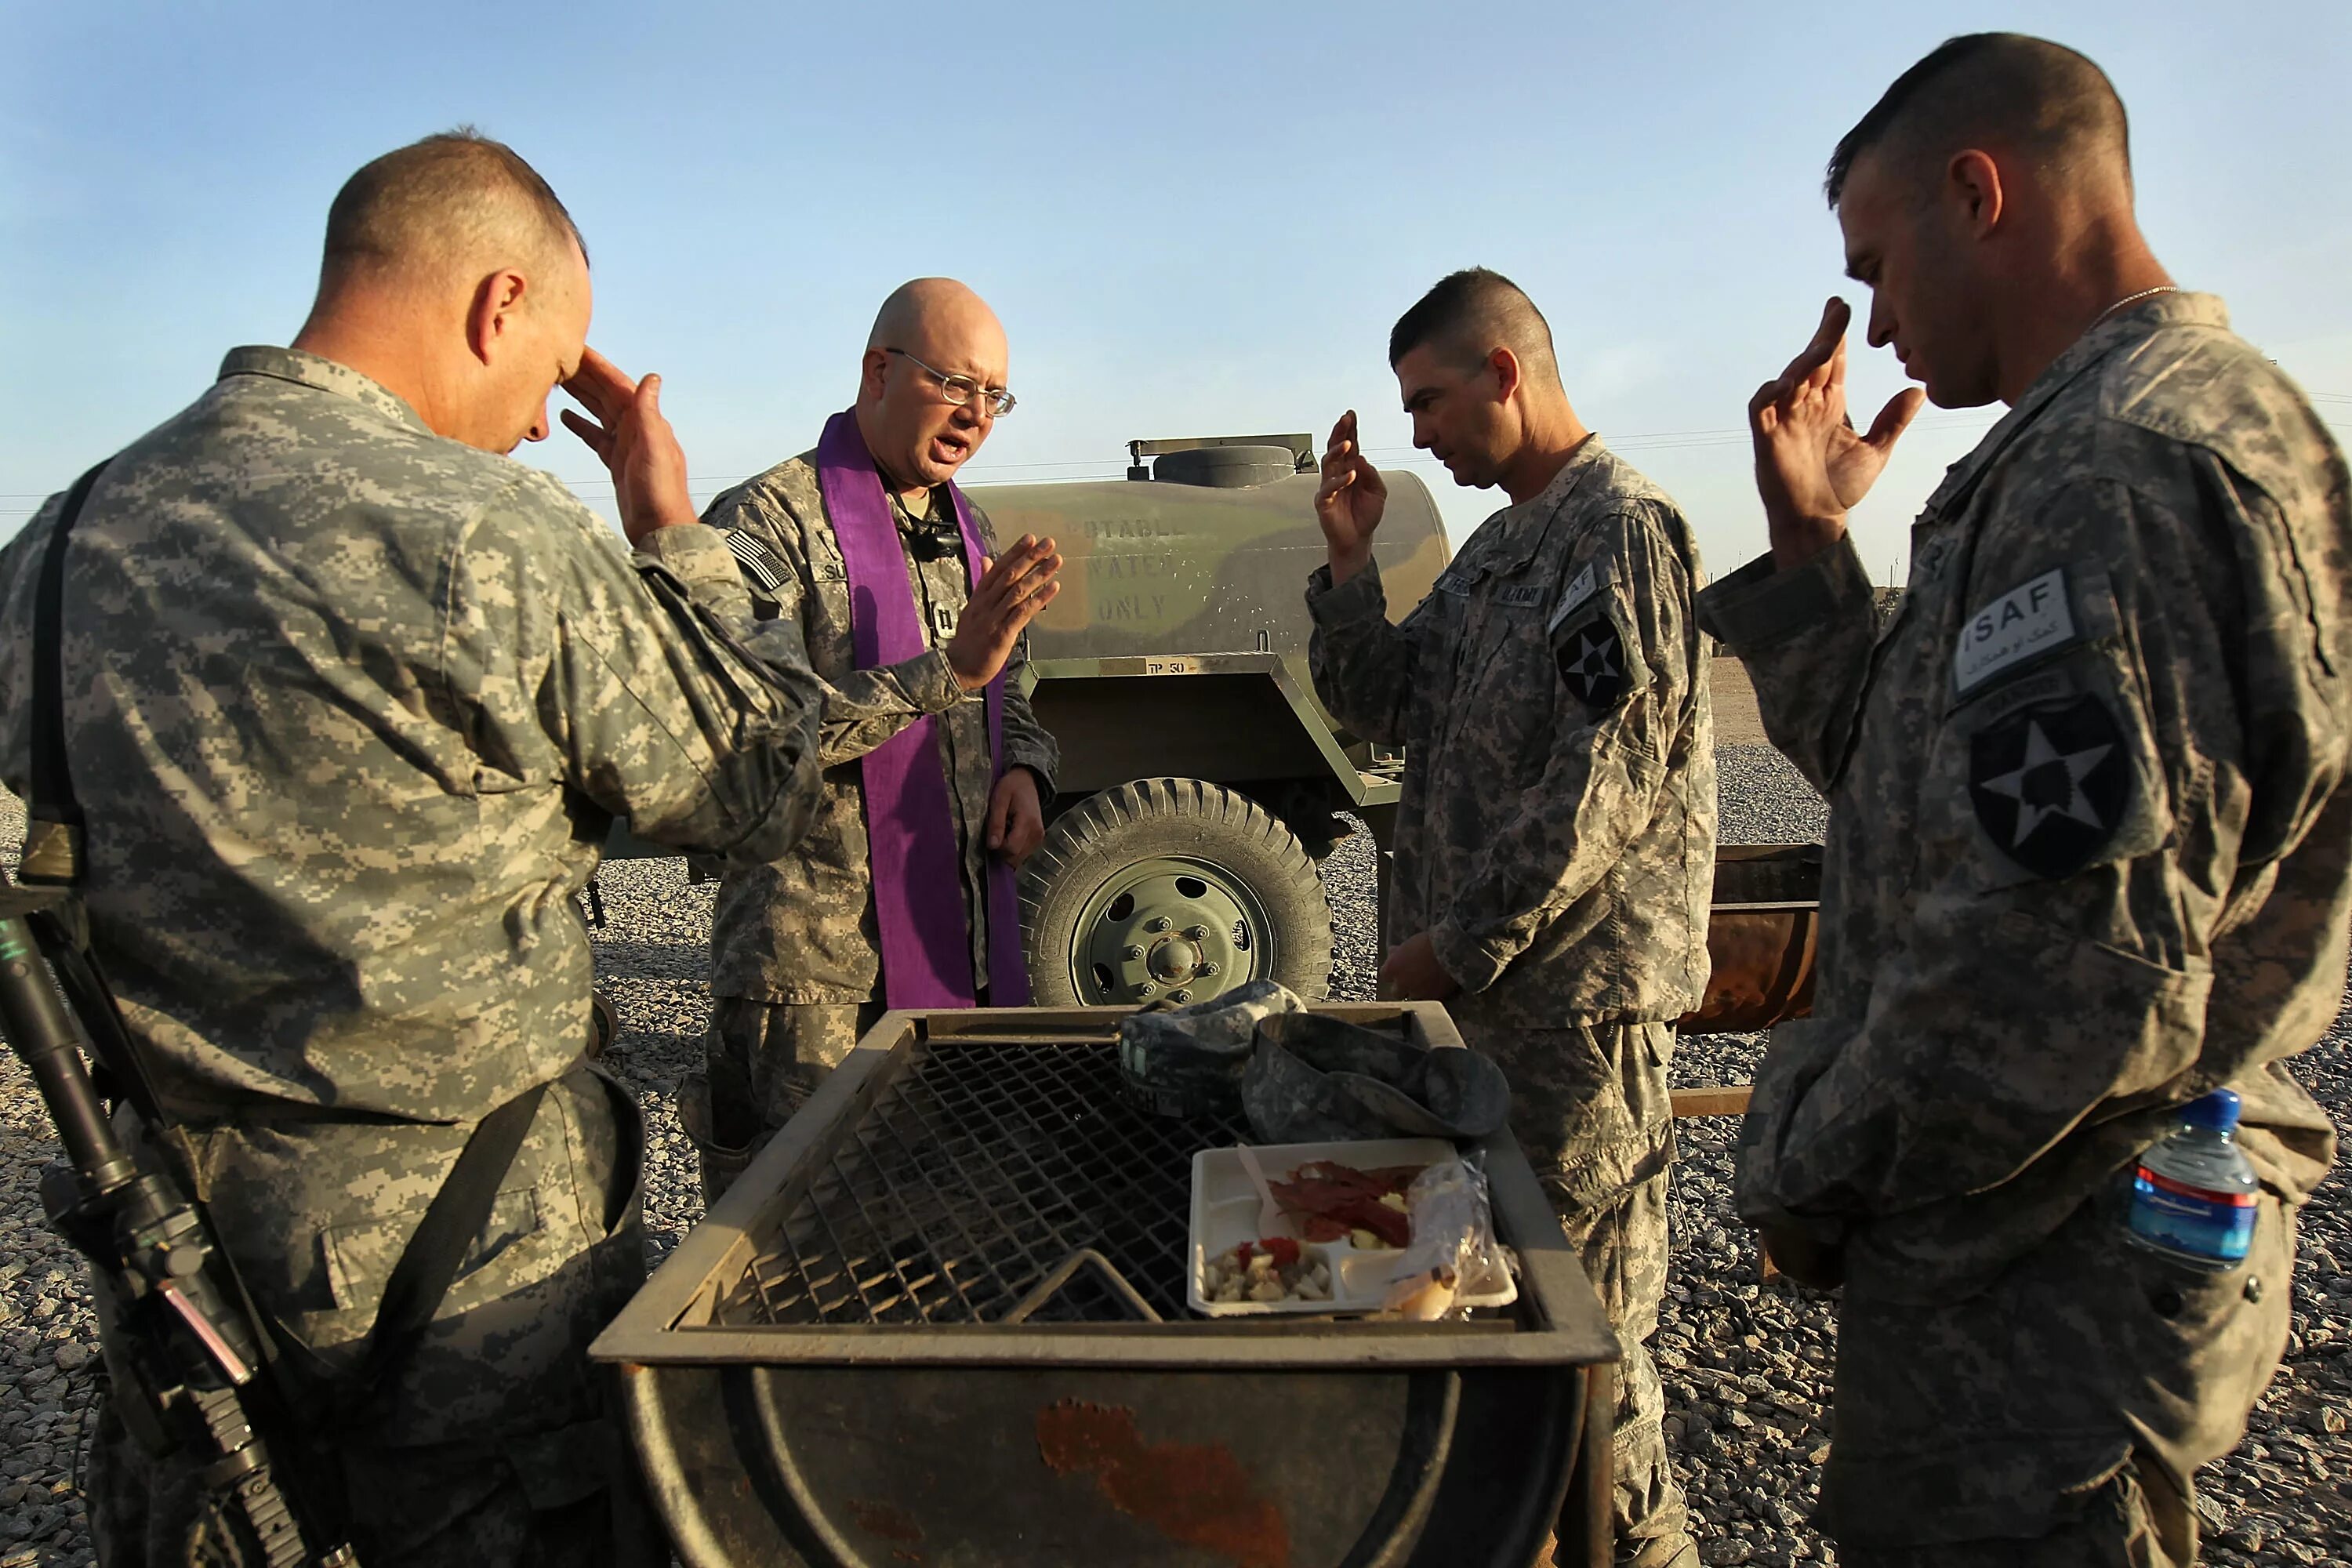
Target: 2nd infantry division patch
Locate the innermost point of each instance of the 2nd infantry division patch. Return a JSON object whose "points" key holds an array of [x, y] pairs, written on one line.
{"points": [[1593, 661], [2050, 784]]}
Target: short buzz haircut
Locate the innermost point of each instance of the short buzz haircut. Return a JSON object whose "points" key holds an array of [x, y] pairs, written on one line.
{"points": [[2041, 99], [454, 196], [1468, 315]]}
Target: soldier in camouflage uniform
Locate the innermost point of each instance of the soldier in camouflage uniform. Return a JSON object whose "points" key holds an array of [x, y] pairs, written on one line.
{"points": [[2089, 833], [1555, 840], [350, 701], [796, 969]]}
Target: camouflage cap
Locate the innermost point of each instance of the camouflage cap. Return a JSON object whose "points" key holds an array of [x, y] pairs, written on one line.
{"points": [[1188, 1061], [1313, 1077]]}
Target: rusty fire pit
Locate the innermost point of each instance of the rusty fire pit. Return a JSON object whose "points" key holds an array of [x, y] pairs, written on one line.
{"points": [[942, 1320]]}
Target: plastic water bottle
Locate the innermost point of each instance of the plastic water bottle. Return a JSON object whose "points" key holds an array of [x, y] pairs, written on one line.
{"points": [[2194, 1195]]}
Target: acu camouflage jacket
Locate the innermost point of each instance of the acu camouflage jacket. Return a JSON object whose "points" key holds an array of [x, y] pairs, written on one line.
{"points": [[2090, 840], [1555, 833], [349, 708]]}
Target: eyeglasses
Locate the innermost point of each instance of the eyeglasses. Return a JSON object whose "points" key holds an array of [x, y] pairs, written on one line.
{"points": [[962, 389]]}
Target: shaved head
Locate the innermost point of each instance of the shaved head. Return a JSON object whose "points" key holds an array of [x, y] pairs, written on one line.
{"points": [[929, 308], [1477, 377], [934, 341], [1986, 201], [1989, 91], [455, 278], [454, 206], [1471, 313]]}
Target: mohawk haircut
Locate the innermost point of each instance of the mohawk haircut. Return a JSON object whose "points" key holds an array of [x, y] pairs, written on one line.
{"points": [[1468, 314], [443, 199], [2043, 99]]}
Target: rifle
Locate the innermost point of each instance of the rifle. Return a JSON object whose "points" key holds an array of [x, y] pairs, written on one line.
{"points": [[201, 1382]]}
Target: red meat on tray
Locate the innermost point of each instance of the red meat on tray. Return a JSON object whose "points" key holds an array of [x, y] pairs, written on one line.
{"points": [[1335, 1200]]}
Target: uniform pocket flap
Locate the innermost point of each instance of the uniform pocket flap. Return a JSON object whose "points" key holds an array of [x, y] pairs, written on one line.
{"points": [[360, 1256]]}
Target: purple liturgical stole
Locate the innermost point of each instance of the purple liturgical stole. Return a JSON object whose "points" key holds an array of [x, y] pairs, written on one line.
{"points": [[910, 827]]}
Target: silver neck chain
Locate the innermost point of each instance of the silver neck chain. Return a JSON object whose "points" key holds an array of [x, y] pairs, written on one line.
{"points": [[2134, 299]]}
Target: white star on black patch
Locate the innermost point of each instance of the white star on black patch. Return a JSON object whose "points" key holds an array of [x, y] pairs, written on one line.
{"points": [[2051, 783], [1593, 661], [2040, 792]]}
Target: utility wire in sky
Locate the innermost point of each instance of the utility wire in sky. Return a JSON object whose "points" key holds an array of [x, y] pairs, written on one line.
{"points": [[1112, 469]]}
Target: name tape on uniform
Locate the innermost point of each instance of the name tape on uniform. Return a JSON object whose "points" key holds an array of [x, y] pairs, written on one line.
{"points": [[1457, 579], [1581, 587], [2029, 620]]}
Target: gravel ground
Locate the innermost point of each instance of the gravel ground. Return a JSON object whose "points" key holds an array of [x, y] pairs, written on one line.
{"points": [[1746, 1366]]}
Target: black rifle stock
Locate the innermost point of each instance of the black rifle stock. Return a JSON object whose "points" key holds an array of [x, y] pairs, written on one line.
{"points": [[202, 1378]]}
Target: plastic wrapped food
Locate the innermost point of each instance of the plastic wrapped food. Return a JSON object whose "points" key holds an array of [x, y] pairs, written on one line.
{"points": [[1453, 1252]]}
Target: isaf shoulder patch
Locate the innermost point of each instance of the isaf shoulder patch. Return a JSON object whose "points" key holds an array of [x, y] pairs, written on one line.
{"points": [[2051, 783], [1594, 663], [1581, 587], [2029, 622]]}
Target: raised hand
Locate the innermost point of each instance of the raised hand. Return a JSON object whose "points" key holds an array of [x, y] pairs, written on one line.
{"points": [[1350, 502], [1812, 466], [1014, 587], [637, 444]]}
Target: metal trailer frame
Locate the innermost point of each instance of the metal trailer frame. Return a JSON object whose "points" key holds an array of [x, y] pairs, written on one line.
{"points": [[1452, 1443]]}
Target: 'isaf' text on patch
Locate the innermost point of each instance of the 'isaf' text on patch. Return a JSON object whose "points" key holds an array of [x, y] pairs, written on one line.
{"points": [[1581, 587], [2030, 620]]}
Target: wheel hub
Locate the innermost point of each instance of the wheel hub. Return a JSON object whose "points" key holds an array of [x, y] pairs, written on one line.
{"points": [[1175, 961], [1175, 930]]}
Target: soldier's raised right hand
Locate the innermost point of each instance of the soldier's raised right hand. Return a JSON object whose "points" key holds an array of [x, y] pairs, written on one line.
{"points": [[1014, 587], [637, 444], [1811, 465], [1350, 502]]}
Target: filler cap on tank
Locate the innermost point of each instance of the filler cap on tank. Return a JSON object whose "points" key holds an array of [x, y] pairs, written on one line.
{"points": [[1223, 462]]}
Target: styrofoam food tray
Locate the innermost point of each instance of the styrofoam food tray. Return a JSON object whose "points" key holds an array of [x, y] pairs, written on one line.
{"points": [[1225, 1215]]}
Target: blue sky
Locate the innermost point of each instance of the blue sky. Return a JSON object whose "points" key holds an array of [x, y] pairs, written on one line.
{"points": [[1194, 220]]}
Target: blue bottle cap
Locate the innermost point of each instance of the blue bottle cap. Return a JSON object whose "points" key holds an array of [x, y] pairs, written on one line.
{"points": [[2218, 1109]]}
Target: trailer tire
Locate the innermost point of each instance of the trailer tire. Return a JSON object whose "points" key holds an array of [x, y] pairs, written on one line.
{"points": [[1171, 890]]}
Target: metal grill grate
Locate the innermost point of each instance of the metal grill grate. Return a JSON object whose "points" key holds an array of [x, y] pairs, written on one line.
{"points": [[976, 1175]]}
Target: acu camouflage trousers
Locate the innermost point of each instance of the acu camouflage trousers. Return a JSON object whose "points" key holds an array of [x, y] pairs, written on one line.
{"points": [[2064, 1407], [1591, 1108], [761, 1062], [492, 1446]]}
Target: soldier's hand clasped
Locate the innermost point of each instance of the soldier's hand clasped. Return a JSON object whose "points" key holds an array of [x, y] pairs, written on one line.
{"points": [[1411, 972], [1015, 586], [1016, 817], [1811, 466], [637, 444]]}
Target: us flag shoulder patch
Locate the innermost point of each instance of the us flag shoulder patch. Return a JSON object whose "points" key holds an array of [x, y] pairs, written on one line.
{"points": [[760, 566]]}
